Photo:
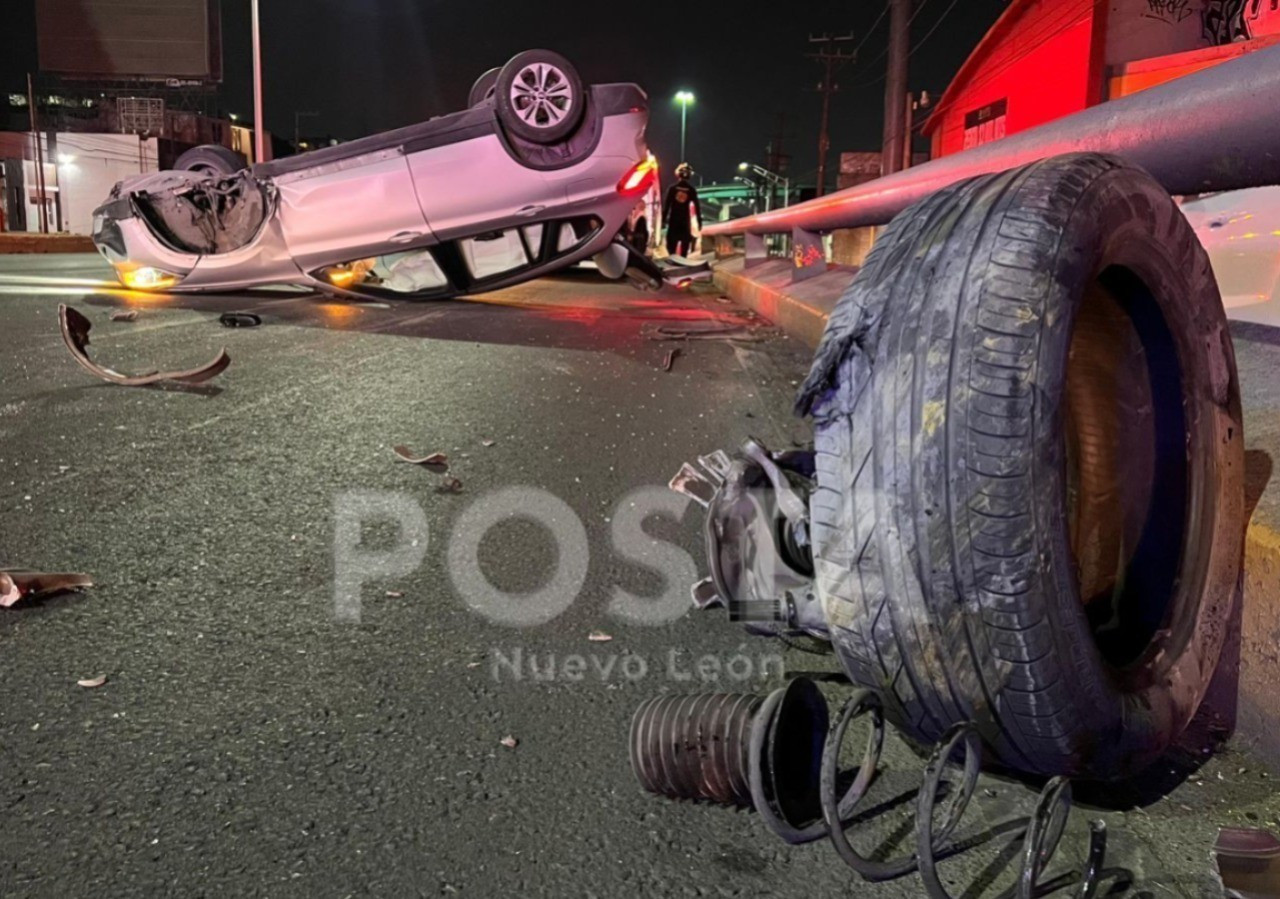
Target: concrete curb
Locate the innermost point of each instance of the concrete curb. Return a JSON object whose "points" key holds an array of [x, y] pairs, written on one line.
{"points": [[1258, 718], [801, 309], [20, 242]]}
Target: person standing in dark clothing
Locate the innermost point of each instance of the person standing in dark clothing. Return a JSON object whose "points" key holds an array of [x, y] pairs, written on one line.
{"points": [[679, 212]]}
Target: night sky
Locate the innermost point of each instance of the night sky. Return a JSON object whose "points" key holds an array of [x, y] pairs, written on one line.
{"points": [[371, 65]]}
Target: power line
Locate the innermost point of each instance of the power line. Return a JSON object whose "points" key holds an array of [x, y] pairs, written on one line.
{"points": [[929, 33], [992, 73], [870, 31], [885, 51]]}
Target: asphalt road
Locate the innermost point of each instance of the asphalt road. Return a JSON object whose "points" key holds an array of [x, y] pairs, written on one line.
{"points": [[252, 740]]}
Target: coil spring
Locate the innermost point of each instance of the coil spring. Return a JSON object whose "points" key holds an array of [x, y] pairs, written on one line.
{"points": [[746, 750]]}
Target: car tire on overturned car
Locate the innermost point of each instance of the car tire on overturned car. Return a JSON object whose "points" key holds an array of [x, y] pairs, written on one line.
{"points": [[211, 159], [1029, 509], [540, 97], [483, 88]]}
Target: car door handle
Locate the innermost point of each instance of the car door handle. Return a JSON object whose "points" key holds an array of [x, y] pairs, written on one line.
{"points": [[527, 211], [405, 237]]}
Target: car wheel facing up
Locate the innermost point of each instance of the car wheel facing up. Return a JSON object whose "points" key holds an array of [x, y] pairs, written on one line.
{"points": [[483, 88], [539, 97], [210, 159]]}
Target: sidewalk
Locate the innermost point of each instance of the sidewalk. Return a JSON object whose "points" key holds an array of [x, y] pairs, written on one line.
{"points": [[28, 242], [802, 309]]}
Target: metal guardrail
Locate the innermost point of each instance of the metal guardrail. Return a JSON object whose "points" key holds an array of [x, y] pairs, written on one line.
{"points": [[1214, 130]]}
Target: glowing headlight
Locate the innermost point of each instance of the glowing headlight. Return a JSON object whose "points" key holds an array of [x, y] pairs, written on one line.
{"points": [[349, 273], [145, 277]]}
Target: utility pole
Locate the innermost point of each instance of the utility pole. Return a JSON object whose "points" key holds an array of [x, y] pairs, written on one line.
{"points": [[895, 89], [259, 125], [35, 137], [832, 57]]}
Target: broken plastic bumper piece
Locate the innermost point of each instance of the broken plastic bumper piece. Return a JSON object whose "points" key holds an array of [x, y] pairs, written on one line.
{"points": [[75, 334]]}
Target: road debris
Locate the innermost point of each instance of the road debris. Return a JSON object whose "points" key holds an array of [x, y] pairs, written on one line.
{"points": [[438, 461], [240, 319], [449, 485], [92, 683], [121, 315], [395, 594], [509, 742], [1248, 861], [488, 442], [711, 331], [18, 584], [75, 334], [599, 637], [670, 359]]}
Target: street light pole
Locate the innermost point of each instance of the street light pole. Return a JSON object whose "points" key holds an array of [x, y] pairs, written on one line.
{"points": [[259, 126], [684, 98], [684, 127]]}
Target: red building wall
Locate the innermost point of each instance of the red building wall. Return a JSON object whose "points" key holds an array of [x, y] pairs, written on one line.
{"points": [[1038, 63]]}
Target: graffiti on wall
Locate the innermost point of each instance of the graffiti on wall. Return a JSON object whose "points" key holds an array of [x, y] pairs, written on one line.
{"points": [[1170, 11], [1226, 21]]}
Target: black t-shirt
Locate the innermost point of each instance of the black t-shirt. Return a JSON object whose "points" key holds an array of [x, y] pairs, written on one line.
{"points": [[675, 211]]}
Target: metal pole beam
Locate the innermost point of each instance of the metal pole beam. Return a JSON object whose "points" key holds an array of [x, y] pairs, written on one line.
{"points": [[1213, 130], [259, 124]]}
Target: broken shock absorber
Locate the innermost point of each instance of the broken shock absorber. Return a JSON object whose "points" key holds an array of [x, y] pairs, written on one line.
{"points": [[768, 753]]}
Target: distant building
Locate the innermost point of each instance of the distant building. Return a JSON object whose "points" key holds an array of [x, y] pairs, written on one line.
{"points": [[88, 146], [850, 246], [111, 101], [1044, 59]]}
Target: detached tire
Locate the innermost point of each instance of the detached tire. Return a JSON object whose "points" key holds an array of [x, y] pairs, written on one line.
{"points": [[1030, 509], [540, 97], [212, 159]]}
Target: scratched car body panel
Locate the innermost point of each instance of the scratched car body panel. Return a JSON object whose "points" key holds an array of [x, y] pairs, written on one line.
{"points": [[456, 205]]}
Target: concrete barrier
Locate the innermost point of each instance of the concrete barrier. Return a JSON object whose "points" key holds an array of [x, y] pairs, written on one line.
{"points": [[26, 242]]}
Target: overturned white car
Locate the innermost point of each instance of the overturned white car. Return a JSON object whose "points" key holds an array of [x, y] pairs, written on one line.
{"points": [[538, 173]]}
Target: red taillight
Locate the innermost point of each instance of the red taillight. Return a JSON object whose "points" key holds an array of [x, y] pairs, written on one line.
{"points": [[639, 179]]}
